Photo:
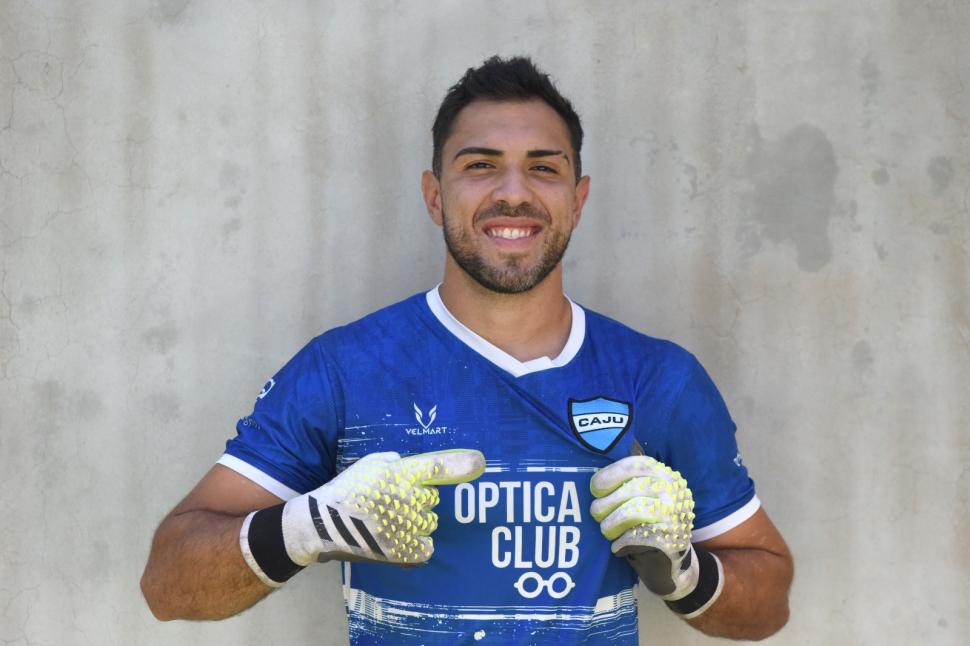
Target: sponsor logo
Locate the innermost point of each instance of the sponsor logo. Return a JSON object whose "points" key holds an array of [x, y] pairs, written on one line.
{"points": [[599, 423], [554, 590], [737, 459], [266, 388], [432, 414], [539, 530], [426, 427]]}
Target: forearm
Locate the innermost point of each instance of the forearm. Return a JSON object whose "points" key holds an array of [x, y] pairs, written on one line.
{"points": [[196, 570], [754, 599]]}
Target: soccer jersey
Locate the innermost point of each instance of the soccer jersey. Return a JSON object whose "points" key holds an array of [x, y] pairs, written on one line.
{"points": [[518, 557]]}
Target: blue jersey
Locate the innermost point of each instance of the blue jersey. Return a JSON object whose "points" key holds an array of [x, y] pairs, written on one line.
{"points": [[518, 557]]}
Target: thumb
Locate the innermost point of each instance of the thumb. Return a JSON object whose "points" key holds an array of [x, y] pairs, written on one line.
{"points": [[445, 467], [610, 477]]}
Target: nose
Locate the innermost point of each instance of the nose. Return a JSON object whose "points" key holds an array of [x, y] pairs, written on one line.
{"points": [[512, 188]]}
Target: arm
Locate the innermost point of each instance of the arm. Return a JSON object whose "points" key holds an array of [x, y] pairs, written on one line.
{"points": [[757, 575], [211, 559], [195, 569], [734, 585]]}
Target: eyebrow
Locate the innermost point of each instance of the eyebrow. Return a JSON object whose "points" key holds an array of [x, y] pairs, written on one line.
{"points": [[493, 152]]}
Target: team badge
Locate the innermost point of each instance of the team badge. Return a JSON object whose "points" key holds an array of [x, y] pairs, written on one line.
{"points": [[599, 423]]}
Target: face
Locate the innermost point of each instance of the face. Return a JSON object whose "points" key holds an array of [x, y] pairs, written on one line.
{"points": [[507, 198]]}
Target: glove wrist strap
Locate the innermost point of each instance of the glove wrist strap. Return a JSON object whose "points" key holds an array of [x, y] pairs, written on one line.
{"points": [[264, 549], [708, 581]]}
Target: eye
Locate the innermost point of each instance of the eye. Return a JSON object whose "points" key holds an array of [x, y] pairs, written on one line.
{"points": [[478, 165], [544, 169]]}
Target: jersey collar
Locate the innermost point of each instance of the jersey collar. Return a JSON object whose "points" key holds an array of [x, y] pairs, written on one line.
{"points": [[499, 357]]}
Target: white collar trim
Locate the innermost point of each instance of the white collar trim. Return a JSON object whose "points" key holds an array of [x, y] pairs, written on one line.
{"points": [[500, 357]]}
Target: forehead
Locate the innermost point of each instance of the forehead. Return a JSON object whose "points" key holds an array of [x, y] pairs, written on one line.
{"points": [[507, 125]]}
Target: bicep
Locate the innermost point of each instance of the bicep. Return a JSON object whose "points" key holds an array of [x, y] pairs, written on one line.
{"points": [[228, 492], [757, 532]]}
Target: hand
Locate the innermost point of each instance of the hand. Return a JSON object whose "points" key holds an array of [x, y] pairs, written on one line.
{"points": [[378, 509], [646, 509]]}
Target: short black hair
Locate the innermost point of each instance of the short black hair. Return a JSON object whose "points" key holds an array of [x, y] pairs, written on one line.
{"points": [[497, 79]]}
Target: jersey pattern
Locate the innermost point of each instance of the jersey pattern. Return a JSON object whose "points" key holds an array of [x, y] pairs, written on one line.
{"points": [[518, 559]]}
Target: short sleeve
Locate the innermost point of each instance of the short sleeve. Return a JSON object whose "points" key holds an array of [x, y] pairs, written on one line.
{"points": [[701, 444], [288, 444]]}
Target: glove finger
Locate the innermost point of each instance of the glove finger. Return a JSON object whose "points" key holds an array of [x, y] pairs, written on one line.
{"points": [[607, 479], [445, 467], [409, 548], [667, 538], [372, 462], [426, 523], [633, 512], [422, 497], [641, 486], [426, 548]]}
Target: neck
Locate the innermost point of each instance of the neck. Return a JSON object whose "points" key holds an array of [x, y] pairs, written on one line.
{"points": [[527, 326]]}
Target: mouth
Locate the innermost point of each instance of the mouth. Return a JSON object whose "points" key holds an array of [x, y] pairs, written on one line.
{"points": [[511, 233]]}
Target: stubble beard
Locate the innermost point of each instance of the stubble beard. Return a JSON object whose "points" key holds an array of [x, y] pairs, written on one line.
{"points": [[512, 277]]}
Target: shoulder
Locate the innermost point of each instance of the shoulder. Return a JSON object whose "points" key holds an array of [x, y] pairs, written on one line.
{"points": [[608, 335], [388, 324]]}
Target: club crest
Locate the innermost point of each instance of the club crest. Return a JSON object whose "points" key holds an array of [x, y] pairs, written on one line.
{"points": [[599, 423]]}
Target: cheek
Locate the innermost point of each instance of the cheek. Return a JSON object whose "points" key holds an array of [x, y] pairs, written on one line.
{"points": [[460, 206]]}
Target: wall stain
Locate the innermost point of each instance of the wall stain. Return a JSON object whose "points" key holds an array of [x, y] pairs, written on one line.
{"points": [[169, 12], [229, 175], [164, 407], [940, 170], [793, 196], [961, 511], [161, 338], [232, 179], [231, 227], [691, 172], [939, 228], [53, 400], [862, 357], [880, 176], [87, 405], [50, 395], [870, 75], [881, 252]]}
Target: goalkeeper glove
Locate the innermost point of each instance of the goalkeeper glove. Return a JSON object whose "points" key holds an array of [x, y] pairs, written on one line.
{"points": [[378, 509], [646, 509]]}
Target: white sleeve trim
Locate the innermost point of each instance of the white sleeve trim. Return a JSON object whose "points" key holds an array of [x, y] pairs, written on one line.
{"points": [[730, 521], [268, 483]]}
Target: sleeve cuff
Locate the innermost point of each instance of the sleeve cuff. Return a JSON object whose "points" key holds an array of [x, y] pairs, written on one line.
{"points": [[268, 483], [729, 522]]}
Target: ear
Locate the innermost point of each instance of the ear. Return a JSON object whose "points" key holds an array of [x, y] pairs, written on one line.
{"points": [[582, 192], [431, 189]]}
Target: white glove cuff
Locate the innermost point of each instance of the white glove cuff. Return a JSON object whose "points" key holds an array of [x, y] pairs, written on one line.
{"points": [[686, 579], [264, 549], [699, 586]]}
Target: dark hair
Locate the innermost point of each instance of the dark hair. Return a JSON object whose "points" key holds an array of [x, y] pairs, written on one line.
{"points": [[515, 79]]}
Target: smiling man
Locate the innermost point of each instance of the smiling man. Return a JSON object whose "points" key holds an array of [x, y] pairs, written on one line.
{"points": [[565, 456]]}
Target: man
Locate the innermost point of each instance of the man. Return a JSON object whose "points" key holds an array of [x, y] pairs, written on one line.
{"points": [[560, 428]]}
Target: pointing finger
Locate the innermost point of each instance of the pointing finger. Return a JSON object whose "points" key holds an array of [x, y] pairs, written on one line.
{"points": [[445, 467]]}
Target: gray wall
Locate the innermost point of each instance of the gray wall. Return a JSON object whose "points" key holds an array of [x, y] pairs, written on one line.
{"points": [[191, 190]]}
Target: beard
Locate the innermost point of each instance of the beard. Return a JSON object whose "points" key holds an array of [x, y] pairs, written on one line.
{"points": [[515, 275]]}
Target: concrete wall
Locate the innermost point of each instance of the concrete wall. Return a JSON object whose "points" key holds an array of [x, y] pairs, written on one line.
{"points": [[190, 190]]}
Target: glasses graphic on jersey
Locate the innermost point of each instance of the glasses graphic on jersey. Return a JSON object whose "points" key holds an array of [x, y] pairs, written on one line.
{"points": [[531, 584]]}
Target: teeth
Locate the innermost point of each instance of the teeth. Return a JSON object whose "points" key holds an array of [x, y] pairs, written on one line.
{"points": [[508, 233]]}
